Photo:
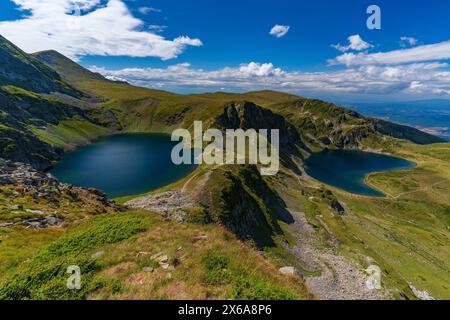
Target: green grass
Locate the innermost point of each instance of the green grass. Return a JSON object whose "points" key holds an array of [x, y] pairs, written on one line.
{"points": [[103, 231], [127, 241], [20, 91], [219, 270], [45, 276], [407, 236], [69, 134]]}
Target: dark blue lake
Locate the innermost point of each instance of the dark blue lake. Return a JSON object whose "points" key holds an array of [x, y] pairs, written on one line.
{"points": [[347, 169], [122, 165]]}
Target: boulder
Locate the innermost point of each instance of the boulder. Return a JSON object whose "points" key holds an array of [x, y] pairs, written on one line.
{"points": [[289, 271], [97, 255]]}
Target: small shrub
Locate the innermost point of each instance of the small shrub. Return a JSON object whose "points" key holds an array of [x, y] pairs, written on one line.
{"points": [[113, 230], [217, 268], [46, 276], [245, 286], [250, 287], [48, 281]]}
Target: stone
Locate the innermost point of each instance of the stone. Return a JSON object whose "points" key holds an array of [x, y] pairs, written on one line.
{"points": [[53, 221], [289, 271], [17, 207], [201, 237], [6, 225], [34, 211], [163, 259], [33, 225], [148, 269], [142, 254], [97, 255], [165, 266], [156, 256], [338, 207]]}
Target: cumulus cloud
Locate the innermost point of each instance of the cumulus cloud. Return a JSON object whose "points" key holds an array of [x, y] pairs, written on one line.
{"points": [[279, 31], [88, 27], [260, 70], [431, 78], [355, 43], [186, 41], [408, 41], [431, 52]]}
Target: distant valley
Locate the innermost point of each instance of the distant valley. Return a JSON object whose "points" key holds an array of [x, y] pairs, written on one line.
{"points": [[431, 116]]}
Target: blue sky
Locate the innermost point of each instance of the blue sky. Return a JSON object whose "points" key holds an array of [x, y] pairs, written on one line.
{"points": [[198, 46]]}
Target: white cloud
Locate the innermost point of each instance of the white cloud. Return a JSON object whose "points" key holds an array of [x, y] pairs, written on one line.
{"points": [[147, 10], [156, 28], [430, 78], [431, 52], [186, 41], [355, 43], [408, 41], [88, 29], [260, 70], [279, 31]]}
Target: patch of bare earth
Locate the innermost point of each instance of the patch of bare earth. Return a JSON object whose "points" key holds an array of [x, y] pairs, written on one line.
{"points": [[174, 204], [171, 205]]}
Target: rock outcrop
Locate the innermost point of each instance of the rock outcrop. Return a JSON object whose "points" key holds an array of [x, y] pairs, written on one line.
{"points": [[38, 200], [172, 205], [240, 199]]}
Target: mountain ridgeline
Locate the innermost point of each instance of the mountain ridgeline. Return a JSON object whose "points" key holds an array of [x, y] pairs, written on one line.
{"points": [[49, 104]]}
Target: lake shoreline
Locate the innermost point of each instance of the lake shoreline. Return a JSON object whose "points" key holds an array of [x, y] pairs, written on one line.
{"points": [[122, 164], [351, 169]]}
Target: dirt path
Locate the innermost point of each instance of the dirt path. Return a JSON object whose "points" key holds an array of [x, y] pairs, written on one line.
{"points": [[184, 188], [199, 185], [340, 278]]}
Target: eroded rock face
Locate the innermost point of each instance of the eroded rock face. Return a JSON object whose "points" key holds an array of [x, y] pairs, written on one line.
{"points": [[42, 223], [240, 199], [24, 188], [247, 115], [16, 173]]}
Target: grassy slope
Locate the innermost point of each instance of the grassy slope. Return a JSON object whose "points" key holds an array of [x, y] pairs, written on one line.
{"points": [[70, 133], [20, 69], [406, 234], [209, 262]]}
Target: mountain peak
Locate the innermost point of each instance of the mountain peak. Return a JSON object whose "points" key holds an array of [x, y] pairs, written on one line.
{"points": [[65, 67], [23, 70]]}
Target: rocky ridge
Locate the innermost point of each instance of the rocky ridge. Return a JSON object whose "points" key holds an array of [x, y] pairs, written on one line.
{"points": [[36, 199]]}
